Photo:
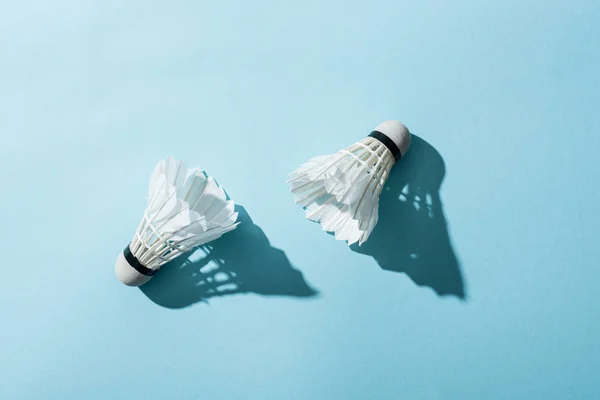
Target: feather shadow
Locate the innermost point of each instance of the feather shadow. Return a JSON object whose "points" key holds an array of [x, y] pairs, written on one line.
{"points": [[412, 234], [241, 261]]}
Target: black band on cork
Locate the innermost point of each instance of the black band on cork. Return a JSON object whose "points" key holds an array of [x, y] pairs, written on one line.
{"points": [[136, 264], [387, 142]]}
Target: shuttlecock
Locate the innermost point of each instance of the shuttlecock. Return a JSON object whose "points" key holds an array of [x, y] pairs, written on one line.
{"points": [[341, 191], [186, 209]]}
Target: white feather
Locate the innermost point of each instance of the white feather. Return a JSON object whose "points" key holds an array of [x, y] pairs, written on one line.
{"points": [[341, 191], [186, 208]]}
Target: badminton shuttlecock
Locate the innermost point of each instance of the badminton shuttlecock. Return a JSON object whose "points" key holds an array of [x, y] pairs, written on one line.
{"points": [[341, 191], [186, 208]]}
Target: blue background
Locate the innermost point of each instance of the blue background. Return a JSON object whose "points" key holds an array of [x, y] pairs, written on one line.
{"points": [[480, 282]]}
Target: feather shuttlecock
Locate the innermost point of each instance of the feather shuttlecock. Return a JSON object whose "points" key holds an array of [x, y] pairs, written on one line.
{"points": [[186, 208], [341, 191]]}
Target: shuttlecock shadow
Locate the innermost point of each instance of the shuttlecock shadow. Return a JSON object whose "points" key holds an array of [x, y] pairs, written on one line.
{"points": [[412, 235], [241, 261]]}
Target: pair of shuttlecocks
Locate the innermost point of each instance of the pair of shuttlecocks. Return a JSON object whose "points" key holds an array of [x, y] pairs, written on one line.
{"points": [[187, 208]]}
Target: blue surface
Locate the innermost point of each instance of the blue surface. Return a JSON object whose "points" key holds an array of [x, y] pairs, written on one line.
{"points": [[488, 291]]}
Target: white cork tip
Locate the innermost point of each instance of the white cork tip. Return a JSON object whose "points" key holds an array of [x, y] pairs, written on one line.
{"points": [[396, 131], [127, 274]]}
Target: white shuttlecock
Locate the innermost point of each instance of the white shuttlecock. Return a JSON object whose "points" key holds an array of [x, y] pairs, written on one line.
{"points": [[341, 191], [186, 208]]}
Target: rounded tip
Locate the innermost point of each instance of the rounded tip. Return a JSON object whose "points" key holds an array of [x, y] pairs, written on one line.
{"points": [[398, 132], [127, 274]]}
